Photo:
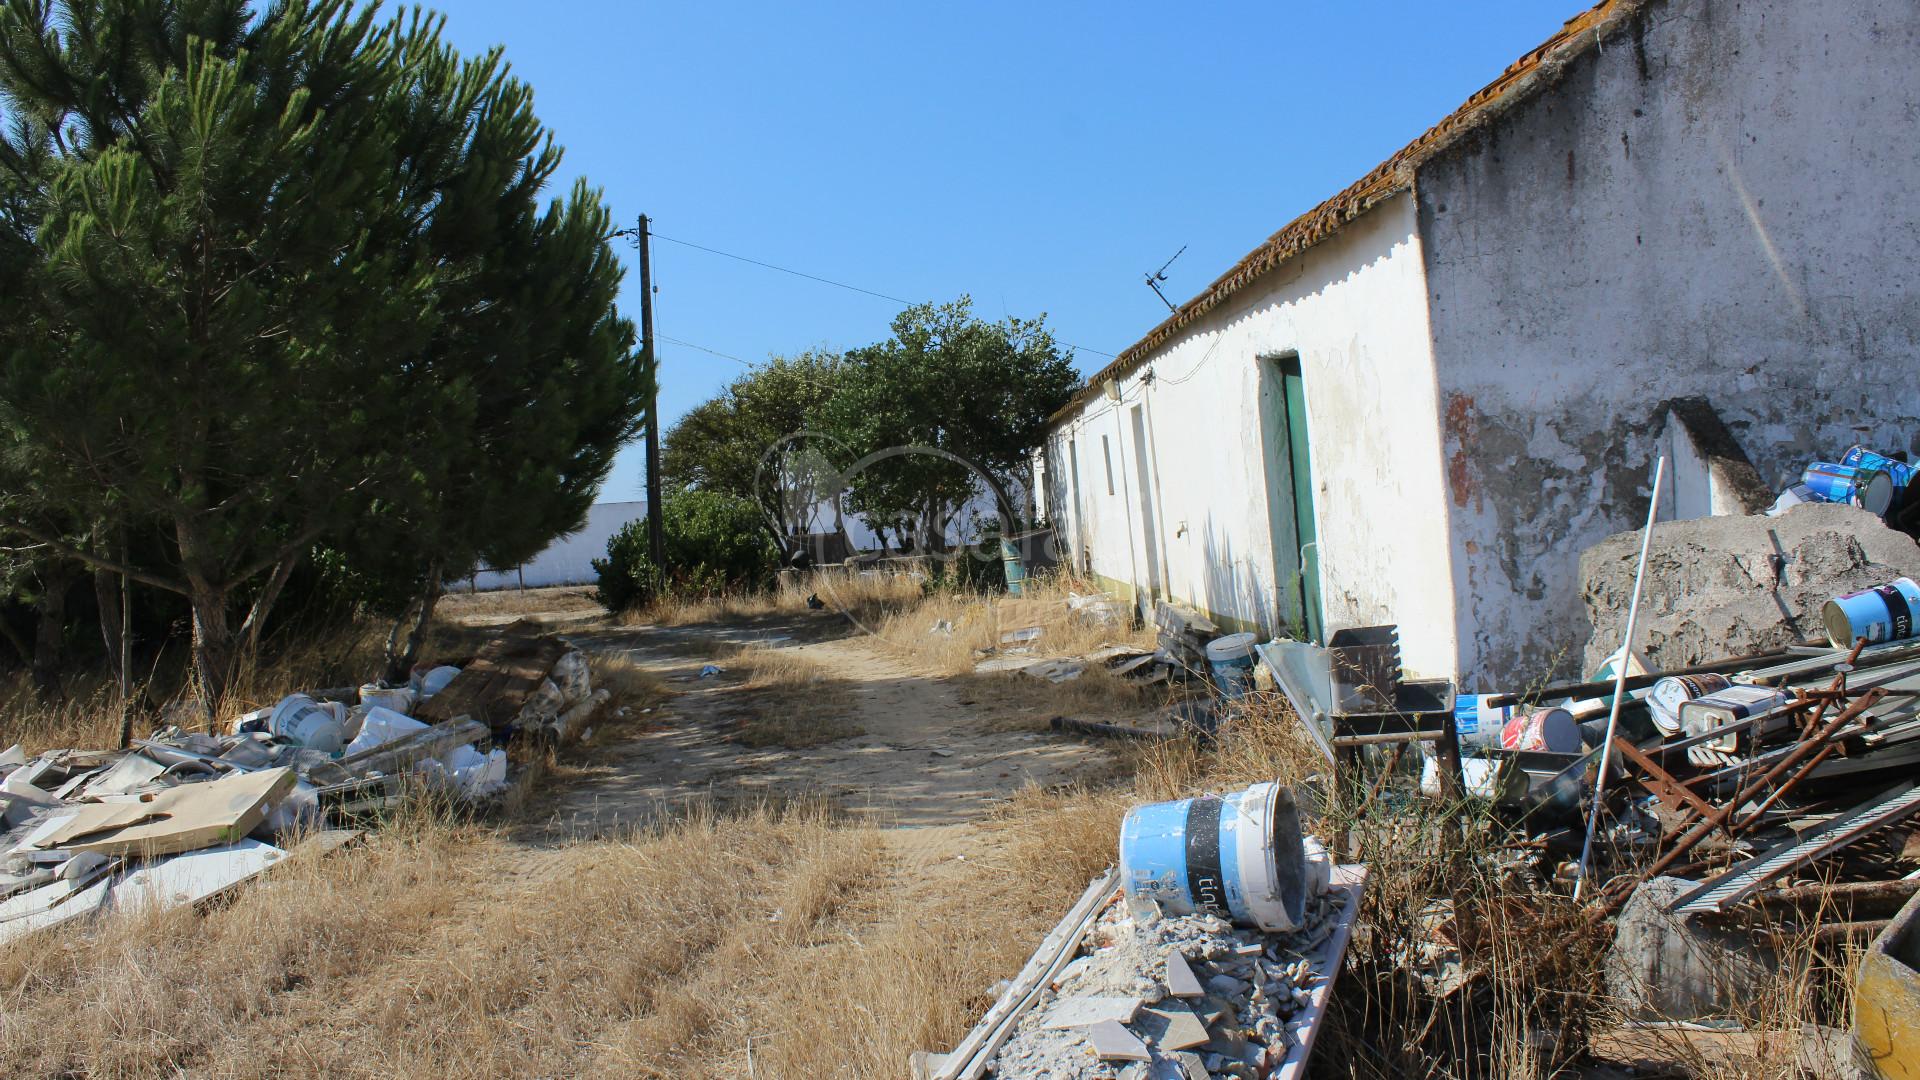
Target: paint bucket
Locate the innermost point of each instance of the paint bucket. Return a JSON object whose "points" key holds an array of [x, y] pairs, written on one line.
{"points": [[1231, 659], [1238, 856], [1882, 613], [1723, 707], [1667, 695], [1554, 730], [1900, 472], [1477, 723], [1869, 489], [399, 699], [313, 725]]}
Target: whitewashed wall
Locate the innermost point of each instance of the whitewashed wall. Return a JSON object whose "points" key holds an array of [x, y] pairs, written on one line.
{"points": [[1720, 201], [1354, 310]]}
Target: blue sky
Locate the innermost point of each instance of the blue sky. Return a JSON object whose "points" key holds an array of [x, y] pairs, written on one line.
{"points": [[1041, 157]]}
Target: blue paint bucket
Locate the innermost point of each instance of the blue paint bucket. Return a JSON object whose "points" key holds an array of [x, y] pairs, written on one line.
{"points": [[1899, 472], [1868, 489], [1231, 659], [1238, 856], [1883, 613], [1477, 723]]}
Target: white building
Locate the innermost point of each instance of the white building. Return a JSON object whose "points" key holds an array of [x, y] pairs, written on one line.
{"points": [[568, 560], [1677, 223]]}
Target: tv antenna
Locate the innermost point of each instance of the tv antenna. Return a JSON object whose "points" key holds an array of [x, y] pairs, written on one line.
{"points": [[1154, 279]]}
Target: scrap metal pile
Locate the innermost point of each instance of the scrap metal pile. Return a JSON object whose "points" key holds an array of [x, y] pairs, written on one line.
{"points": [[182, 815]]}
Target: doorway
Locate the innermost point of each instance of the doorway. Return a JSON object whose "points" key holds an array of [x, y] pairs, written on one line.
{"points": [[1289, 488], [1149, 537]]}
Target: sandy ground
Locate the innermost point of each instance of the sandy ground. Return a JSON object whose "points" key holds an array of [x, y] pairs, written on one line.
{"points": [[926, 756], [929, 761]]}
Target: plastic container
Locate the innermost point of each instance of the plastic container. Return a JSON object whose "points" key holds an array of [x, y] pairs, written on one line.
{"points": [[1882, 613], [1736, 702], [1231, 658], [382, 726], [1238, 856], [400, 699], [1554, 730], [436, 680], [316, 726], [1667, 695]]}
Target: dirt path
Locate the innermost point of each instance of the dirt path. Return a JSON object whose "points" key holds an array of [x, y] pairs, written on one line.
{"points": [[924, 756]]}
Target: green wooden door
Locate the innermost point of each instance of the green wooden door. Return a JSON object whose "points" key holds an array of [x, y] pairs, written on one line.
{"points": [[1296, 555], [1302, 469]]}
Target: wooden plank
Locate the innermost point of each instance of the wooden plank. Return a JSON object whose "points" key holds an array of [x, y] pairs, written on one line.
{"points": [[492, 689], [968, 1061]]}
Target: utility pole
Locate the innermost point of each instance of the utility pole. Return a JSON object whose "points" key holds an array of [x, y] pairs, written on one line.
{"points": [[656, 529]]}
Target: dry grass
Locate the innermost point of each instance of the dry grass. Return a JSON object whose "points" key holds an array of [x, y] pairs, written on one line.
{"points": [[781, 941]]}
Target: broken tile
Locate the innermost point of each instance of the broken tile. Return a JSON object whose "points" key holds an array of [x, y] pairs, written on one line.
{"points": [[1085, 1011], [1192, 1065], [1172, 1027], [1111, 1042], [1181, 982]]}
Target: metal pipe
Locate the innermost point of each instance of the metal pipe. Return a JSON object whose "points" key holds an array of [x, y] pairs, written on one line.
{"points": [[1620, 681]]}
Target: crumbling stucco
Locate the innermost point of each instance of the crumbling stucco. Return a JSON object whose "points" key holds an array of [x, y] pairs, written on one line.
{"points": [[1681, 216]]}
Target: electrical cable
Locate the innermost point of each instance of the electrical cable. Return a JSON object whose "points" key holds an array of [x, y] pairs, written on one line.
{"points": [[822, 280]]}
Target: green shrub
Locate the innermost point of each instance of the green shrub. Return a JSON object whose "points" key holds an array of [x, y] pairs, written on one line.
{"points": [[714, 543]]}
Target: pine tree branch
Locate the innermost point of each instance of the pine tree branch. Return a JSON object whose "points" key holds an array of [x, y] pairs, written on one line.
{"points": [[71, 552]]}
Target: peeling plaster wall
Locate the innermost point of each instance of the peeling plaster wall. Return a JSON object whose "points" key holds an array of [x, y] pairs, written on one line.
{"points": [[1354, 310], [1721, 201]]}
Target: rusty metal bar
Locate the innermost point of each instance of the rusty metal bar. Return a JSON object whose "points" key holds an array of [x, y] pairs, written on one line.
{"points": [[1668, 790], [1718, 818]]}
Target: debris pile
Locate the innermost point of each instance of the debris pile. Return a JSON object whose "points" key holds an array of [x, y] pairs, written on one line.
{"points": [[182, 815], [1163, 992]]}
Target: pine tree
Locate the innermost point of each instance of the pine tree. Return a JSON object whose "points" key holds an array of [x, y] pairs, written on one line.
{"points": [[267, 293]]}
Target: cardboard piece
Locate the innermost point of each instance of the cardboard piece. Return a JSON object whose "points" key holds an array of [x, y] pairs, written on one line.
{"points": [[184, 818]]}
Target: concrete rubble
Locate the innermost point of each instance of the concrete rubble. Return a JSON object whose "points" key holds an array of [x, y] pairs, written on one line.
{"points": [[184, 815], [1242, 1021]]}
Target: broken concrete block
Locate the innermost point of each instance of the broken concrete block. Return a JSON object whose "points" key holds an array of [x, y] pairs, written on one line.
{"points": [[1086, 1011], [1181, 982], [1172, 1027], [1737, 586], [1111, 1042]]}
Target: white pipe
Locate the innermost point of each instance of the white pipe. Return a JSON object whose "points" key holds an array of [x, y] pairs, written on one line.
{"points": [[1619, 682]]}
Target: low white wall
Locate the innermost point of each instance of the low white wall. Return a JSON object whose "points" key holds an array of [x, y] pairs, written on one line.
{"points": [[568, 560]]}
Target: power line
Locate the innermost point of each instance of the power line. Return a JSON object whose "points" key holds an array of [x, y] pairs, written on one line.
{"points": [[782, 269], [821, 280], [703, 348]]}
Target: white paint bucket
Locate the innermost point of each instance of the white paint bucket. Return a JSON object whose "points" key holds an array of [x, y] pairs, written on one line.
{"points": [[1667, 695], [310, 723], [1554, 730]]}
